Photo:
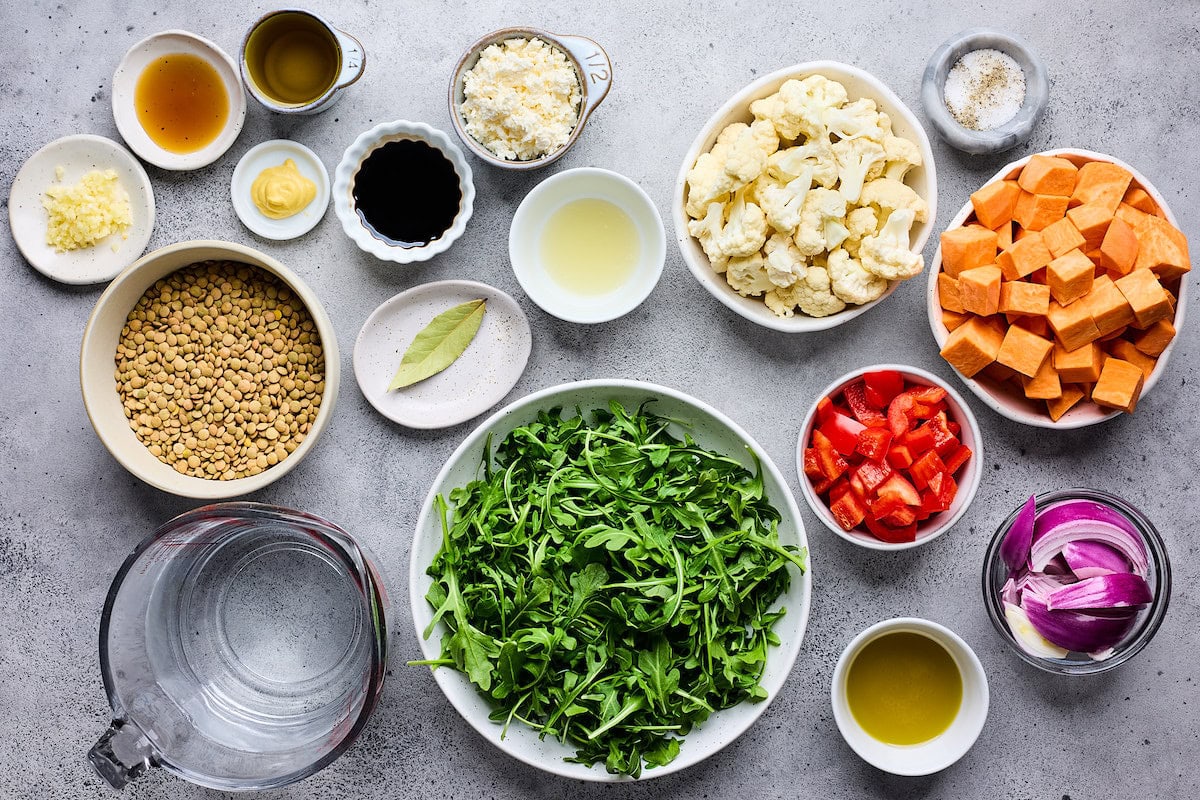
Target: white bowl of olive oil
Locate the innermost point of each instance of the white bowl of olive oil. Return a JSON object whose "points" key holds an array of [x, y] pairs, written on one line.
{"points": [[909, 696], [587, 245]]}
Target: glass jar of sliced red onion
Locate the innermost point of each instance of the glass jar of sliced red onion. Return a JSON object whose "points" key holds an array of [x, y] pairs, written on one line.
{"points": [[1077, 581]]}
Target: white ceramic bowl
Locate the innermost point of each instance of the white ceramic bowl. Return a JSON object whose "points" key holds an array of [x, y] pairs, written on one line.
{"points": [[1004, 398], [524, 237], [968, 479], [96, 367], [939, 752], [125, 81], [593, 69], [711, 429], [858, 84], [271, 154], [343, 188]]}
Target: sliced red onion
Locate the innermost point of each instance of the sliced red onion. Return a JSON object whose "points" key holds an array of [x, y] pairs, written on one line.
{"points": [[1085, 520], [1027, 636], [1090, 559], [1010, 595], [1118, 590], [1042, 584], [1058, 566], [1015, 547], [1076, 630]]}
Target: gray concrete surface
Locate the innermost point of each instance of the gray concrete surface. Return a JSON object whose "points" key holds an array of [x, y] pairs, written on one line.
{"points": [[1123, 82]]}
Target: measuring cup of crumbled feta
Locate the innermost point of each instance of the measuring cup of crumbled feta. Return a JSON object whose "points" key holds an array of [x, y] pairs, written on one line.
{"points": [[519, 97]]}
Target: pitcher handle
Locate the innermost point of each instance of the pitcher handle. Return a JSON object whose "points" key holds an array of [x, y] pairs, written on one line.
{"points": [[122, 754], [354, 58]]}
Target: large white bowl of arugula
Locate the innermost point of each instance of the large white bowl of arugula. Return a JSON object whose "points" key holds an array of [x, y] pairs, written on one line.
{"points": [[614, 595]]}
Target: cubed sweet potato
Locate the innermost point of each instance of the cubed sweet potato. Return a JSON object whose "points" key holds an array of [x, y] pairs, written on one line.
{"points": [[1139, 198], [967, 247], [1037, 211], [1048, 175], [1025, 256], [1070, 276], [1101, 182], [1078, 366], [1037, 325], [948, 294], [1004, 235], [1091, 220], [1072, 324], [1131, 215], [979, 290], [999, 373], [994, 203], [1154, 340], [972, 346], [1124, 350], [1023, 351], [952, 319], [1119, 386], [1062, 237], [1118, 251], [1060, 405], [1162, 248], [1045, 384], [1022, 297], [1145, 296], [1107, 306]]}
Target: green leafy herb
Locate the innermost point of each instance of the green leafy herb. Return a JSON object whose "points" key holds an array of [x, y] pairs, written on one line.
{"points": [[609, 585], [439, 344]]}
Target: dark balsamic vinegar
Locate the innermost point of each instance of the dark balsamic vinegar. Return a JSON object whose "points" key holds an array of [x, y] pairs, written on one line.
{"points": [[406, 193]]}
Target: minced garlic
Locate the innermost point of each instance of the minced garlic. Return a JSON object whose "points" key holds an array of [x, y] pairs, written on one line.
{"points": [[521, 99], [83, 214]]}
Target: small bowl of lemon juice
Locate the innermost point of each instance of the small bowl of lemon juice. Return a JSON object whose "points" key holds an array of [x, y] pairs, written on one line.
{"points": [[587, 245]]}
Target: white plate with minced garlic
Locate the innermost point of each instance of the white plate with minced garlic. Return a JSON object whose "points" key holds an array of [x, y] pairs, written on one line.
{"points": [[81, 209]]}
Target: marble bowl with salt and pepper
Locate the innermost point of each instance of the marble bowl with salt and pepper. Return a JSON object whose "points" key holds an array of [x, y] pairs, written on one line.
{"points": [[984, 91]]}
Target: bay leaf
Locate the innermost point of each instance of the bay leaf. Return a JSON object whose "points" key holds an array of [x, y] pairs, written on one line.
{"points": [[439, 344]]}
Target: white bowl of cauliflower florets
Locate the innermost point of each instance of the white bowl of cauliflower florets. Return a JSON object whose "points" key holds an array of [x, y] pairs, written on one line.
{"points": [[807, 197]]}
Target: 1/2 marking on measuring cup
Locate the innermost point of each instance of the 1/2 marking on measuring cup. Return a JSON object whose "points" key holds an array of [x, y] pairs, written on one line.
{"points": [[599, 67]]}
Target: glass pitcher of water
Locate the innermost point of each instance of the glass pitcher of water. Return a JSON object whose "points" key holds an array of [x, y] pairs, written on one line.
{"points": [[243, 646]]}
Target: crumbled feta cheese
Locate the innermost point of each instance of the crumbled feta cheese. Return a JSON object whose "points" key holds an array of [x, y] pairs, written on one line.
{"points": [[521, 99]]}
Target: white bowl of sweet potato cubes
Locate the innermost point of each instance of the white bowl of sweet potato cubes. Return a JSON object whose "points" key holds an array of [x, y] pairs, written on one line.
{"points": [[1056, 292], [806, 198]]}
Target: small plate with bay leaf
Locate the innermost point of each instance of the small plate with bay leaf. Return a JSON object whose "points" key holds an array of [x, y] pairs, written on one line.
{"points": [[441, 353]]}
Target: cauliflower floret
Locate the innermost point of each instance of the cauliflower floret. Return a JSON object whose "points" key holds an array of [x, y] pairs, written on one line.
{"points": [[799, 106], [784, 263], [851, 282], [707, 179], [782, 202], [745, 229], [859, 223], [887, 253], [890, 195], [816, 155], [748, 275], [812, 294], [856, 120], [747, 156], [902, 155], [859, 160], [708, 232], [821, 215]]}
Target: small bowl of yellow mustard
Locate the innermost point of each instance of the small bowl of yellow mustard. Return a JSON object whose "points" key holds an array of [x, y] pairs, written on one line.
{"points": [[280, 189]]}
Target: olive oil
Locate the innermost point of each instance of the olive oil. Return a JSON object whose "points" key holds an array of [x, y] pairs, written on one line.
{"points": [[590, 246], [406, 193], [904, 688], [292, 58], [181, 102]]}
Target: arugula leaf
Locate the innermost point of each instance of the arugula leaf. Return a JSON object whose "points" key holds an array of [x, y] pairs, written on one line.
{"points": [[608, 584]]}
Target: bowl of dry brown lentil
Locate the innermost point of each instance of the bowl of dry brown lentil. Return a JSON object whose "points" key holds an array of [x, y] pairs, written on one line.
{"points": [[208, 369]]}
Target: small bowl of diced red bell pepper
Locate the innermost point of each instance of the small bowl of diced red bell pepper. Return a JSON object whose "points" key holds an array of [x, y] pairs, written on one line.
{"points": [[890, 457]]}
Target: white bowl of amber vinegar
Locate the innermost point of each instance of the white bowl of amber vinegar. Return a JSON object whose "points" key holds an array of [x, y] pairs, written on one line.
{"points": [[587, 245]]}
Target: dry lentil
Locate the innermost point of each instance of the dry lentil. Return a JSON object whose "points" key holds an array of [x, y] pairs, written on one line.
{"points": [[211, 406]]}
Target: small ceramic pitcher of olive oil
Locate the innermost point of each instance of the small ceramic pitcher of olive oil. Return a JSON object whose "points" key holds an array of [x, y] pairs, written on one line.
{"points": [[295, 62]]}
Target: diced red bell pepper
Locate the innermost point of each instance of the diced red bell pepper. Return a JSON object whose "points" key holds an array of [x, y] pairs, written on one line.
{"points": [[886, 533], [900, 518], [874, 442], [928, 411], [931, 504], [821, 486], [954, 427], [862, 410], [899, 414], [812, 467], [897, 486], [882, 506], [944, 441], [849, 511], [871, 474], [840, 487], [882, 386], [843, 432], [956, 459], [899, 456], [928, 395], [832, 464], [925, 468], [947, 492], [857, 486], [919, 440], [824, 409]]}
